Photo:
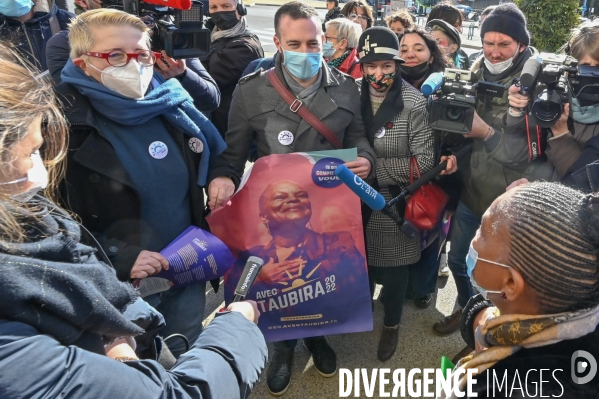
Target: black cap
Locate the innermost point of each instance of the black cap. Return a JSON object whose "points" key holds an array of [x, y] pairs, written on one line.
{"points": [[449, 30], [378, 43]]}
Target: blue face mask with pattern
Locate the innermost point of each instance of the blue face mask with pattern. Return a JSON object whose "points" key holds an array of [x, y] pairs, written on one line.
{"points": [[471, 260], [302, 65], [15, 8]]}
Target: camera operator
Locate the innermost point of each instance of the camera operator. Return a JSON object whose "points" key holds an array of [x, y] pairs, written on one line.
{"points": [[190, 72], [66, 322], [489, 170], [233, 46], [572, 142], [29, 25]]}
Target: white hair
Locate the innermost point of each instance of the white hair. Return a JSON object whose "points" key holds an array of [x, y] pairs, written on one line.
{"points": [[346, 30]]}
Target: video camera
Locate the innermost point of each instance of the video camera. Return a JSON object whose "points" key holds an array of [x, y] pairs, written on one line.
{"points": [[561, 78], [177, 25], [453, 109]]}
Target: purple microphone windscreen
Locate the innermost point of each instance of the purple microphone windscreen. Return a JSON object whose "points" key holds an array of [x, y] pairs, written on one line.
{"points": [[369, 195], [529, 72], [432, 83]]}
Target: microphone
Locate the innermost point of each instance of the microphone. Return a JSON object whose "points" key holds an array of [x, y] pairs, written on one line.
{"points": [[179, 4], [529, 75], [372, 198], [250, 271], [432, 83]]}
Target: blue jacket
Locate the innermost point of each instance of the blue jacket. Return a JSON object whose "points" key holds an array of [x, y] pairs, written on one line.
{"points": [[197, 81], [32, 36], [225, 362]]}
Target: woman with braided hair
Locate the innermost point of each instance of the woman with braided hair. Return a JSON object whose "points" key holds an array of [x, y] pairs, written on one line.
{"points": [[535, 262]]}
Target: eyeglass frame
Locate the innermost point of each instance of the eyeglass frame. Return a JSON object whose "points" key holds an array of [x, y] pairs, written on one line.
{"points": [[106, 56], [362, 17]]}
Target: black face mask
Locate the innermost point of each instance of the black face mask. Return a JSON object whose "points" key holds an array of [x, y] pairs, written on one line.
{"points": [[414, 73], [224, 20]]}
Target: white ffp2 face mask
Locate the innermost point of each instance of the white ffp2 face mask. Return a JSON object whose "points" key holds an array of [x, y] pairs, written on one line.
{"points": [[37, 176], [499, 67], [131, 80]]}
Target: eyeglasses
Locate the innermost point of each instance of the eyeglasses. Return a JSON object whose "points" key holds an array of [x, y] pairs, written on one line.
{"points": [[356, 16], [329, 38], [120, 58]]}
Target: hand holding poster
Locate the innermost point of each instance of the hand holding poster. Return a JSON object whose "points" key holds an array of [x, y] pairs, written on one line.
{"points": [[294, 213], [194, 256]]}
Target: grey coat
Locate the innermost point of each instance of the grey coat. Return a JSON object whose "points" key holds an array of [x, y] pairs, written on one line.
{"points": [[258, 113]]}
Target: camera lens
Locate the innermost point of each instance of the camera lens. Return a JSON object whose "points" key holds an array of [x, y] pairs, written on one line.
{"points": [[547, 108], [454, 114], [180, 41]]}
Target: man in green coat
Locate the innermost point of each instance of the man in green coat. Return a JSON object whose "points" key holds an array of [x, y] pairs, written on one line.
{"points": [[490, 169]]}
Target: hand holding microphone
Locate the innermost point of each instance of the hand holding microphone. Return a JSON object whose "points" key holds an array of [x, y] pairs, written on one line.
{"points": [[373, 198], [248, 308]]}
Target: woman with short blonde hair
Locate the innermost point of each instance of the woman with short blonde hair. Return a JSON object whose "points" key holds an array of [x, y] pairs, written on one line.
{"points": [[65, 319]]}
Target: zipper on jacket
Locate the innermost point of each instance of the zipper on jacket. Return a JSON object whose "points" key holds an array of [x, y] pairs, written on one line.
{"points": [[33, 53]]}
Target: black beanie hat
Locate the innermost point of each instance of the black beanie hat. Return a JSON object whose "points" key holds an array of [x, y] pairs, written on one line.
{"points": [[449, 30], [509, 20], [378, 43]]}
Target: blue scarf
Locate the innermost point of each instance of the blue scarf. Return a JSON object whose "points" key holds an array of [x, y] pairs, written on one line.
{"points": [[168, 100], [587, 115]]}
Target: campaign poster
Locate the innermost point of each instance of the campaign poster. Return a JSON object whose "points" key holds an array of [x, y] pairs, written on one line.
{"points": [[306, 225]]}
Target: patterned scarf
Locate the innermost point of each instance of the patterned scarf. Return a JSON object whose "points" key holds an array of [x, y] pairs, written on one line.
{"points": [[507, 334], [335, 63], [237, 30]]}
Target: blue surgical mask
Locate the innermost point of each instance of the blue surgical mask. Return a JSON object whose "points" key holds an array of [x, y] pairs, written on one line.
{"points": [[302, 65], [328, 50], [15, 8], [471, 260]]}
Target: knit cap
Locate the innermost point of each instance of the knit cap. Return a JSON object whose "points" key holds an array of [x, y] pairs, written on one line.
{"points": [[509, 20]]}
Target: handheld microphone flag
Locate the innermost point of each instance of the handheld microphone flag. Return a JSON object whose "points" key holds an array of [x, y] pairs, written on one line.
{"points": [[369, 195], [432, 83], [250, 272], [179, 4], [372, 198]]}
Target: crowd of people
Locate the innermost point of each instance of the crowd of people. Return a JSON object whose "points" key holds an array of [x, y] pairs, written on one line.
{"points": [[109, 151]]}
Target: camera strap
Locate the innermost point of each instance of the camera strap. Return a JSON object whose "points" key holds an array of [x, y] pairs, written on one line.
{"points": [[533, 134], [297, 107]]}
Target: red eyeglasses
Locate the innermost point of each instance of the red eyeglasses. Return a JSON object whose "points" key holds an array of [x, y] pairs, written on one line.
{"points": [[120, 58]]}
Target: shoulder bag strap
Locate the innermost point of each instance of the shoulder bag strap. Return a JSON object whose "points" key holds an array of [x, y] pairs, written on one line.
{"points": [[295, 106]]}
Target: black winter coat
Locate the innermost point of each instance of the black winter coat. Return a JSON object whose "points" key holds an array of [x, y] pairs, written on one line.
{"points": [[226, 62], [30, 37], [99, 190]]}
